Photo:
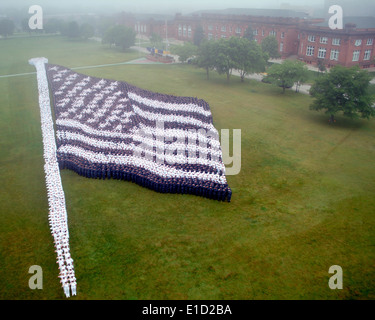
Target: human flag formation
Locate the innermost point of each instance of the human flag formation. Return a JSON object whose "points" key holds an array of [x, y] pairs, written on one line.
{"points": [[111, 129]]}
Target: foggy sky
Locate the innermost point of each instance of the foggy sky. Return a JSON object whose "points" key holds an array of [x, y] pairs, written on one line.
{"points": [[360, 7], [157, 6]]}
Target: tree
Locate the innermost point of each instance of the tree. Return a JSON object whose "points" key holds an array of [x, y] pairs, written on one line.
{"points": [[271, 46], [87, 31], [301, 74], [224, 52], [109, 36], [6, 27], [249, 34], [126, 39], [321, 66], [198, 35], [287, 73], [343, 90], [120, 36], [248, 57], [25, 25], [156, 40], [184, 52], [72, 30], [53, 26], [205, 56]]}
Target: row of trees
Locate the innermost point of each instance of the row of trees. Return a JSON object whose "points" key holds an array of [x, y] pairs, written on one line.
{"points": [[114, 35], [225, 55], [6, 27], [341, 90], [75, 31], [344, 90], [51, 26]]}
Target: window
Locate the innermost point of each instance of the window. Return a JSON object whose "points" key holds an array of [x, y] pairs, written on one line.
{"points": [[334, 55], [323, 40], [282, 35], [262, 32], [272, 33], [189, 31], [238, 30], [356, 55], [370, 41], [210, 36], [184, 30], [310, 51], [281, 47], [311, 38], [336, 41], [255, 32], [358, 42], [209, 27], [322, 53], [223, 29], [179, 30], [367, 55], [223, 36]]}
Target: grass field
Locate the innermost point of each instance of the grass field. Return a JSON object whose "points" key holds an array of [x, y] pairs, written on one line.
{"points": [[303, 201]]}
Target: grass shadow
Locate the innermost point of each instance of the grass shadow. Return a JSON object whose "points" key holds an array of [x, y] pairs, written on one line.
{"points": [[342, 122]]}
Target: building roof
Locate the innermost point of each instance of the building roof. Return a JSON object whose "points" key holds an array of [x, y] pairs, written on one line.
{"points": [[284, 13], [360, 22], [157, 17]]}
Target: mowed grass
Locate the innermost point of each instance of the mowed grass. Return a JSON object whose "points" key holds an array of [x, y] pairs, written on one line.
{"points": [[303, 201]]}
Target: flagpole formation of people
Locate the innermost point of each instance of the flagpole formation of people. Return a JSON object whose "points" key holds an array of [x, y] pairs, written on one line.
{"points": [[58, 218]]}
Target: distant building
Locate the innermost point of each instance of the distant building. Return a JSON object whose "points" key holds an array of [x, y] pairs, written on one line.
{"points": [[309, 39], [353, 45], [147, 24]]}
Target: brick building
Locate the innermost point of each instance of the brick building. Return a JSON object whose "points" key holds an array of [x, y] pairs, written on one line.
{"points": [[353, 45], [297, 34], [147, 24], [283, 24]]}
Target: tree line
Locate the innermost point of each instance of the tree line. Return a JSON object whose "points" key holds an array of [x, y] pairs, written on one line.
{"points": [[244, 55], [114, 35], [341, 90], [228, 54]]}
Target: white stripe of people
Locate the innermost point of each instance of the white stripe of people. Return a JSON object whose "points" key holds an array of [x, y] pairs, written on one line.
{"points": [[56, 200]]}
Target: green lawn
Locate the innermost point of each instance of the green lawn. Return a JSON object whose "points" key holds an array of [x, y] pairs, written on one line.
{"points": [[303, 201]]}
